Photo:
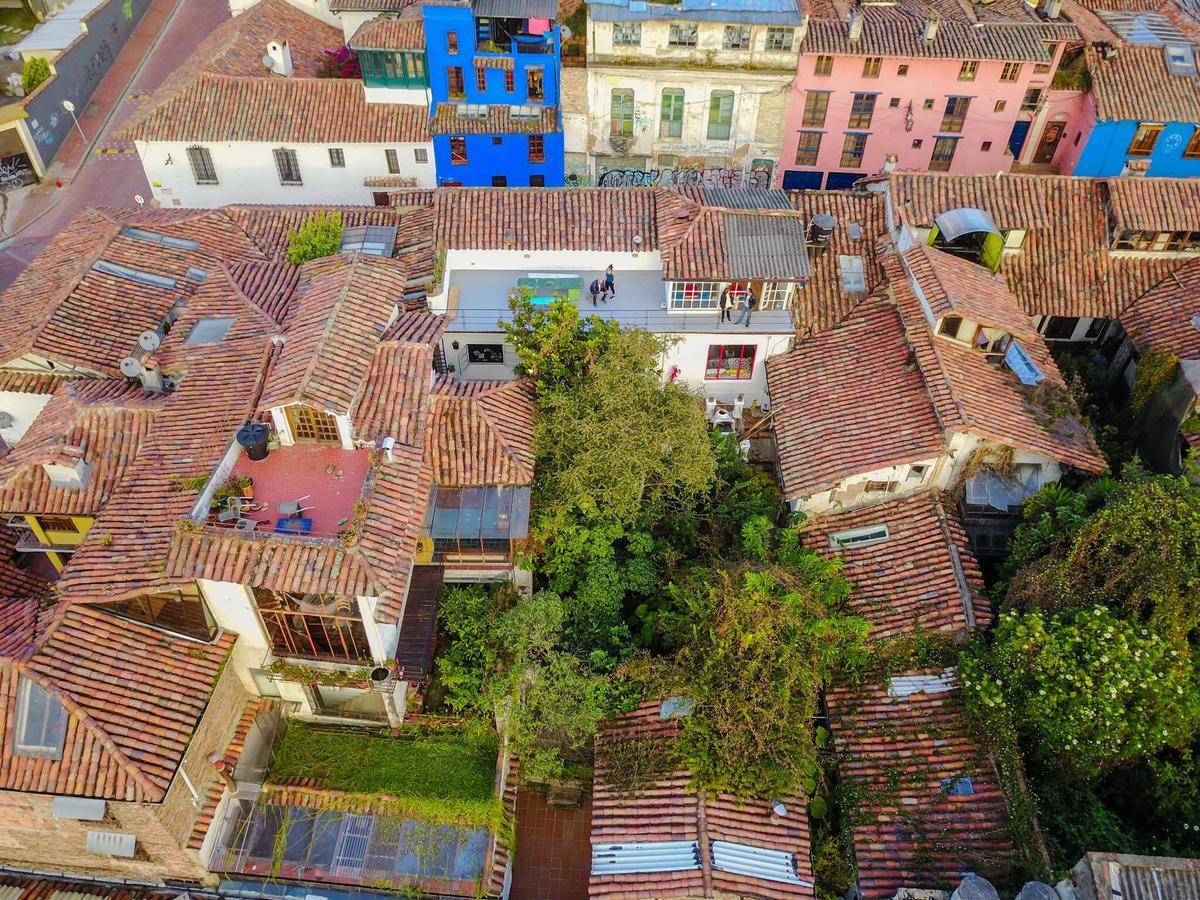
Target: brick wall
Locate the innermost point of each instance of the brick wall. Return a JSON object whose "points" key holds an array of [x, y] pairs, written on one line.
{"points": [[178, 812], [30, 836]]}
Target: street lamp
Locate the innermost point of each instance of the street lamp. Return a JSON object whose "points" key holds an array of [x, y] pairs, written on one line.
{"points": [[70, 107]]}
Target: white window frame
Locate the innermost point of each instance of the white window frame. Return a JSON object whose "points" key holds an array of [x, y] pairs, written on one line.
{"points": [[853, 538], [780, 39], [689, 296], [627, 34], [36, 751], [421, 154], [776, 295]]}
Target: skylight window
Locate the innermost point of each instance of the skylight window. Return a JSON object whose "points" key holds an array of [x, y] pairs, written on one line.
{"points": [[153, 237], [858, 537], [375, 240], [1181, 59], [525, 112], [41, 722], [195, 274], [958, 787], [471, 111], [210, 330], [136, 275], [854, 277]]}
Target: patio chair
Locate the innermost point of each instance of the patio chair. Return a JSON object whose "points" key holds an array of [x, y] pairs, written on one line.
{"points": [[245, 525], [292, 508], [226, 516]]}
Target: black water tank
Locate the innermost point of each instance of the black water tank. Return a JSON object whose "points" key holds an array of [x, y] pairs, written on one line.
{"points": [[253, 439], [820, 230]]}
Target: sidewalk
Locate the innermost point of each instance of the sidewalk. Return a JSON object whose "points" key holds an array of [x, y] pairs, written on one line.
{"points": [[23, 207]]}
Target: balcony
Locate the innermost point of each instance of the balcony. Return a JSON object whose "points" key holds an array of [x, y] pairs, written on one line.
{"points": [[325, 481], [313, 627]]}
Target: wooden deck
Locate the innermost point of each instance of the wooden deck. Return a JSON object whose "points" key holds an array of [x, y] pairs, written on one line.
{"points": [[414, 652]]}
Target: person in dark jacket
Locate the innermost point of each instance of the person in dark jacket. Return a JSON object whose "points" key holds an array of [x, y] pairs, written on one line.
{"points": [[596, 289], [748, 304], [728, 302]]}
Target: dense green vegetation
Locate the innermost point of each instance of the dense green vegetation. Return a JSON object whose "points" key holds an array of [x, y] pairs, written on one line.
{"points": [[35, 71], [1094, 661], [449, 767], [318, 237]]}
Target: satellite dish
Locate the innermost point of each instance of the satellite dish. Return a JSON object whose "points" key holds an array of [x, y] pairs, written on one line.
{"points": [[268, 61], [131, 368], [566, 32], [149, 340], [6, 419]]}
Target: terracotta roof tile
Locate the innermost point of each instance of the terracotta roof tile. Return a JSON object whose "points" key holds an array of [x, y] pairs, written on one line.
{"points": [[923, 576], [389, 34], [984, 397], [904, 754], [133, 696], [1154, 204], [669, 810], [1065, 267], [824, 300], [1165, 316], [396, 399], [236, 46], [448, 119], [216, 108], [342, 308], [216, 790], [1136, 84], [850, 400], [955, 285], [481, 433], [370, 5], [1006, 31]]}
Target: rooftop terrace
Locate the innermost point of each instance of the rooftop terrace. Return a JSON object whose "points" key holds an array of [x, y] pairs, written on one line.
{"points": [[640, 302]]}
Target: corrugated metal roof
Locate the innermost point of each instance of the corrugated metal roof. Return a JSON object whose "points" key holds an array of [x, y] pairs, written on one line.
{"points": [[650, 856], [746, 198], [902, 686], [59, 30], [757, 862], [1143, 27], [516, 9], [758, 12], [766, 246]]}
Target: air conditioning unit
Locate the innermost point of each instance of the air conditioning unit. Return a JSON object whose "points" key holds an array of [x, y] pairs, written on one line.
{"points": [[112, 843]]}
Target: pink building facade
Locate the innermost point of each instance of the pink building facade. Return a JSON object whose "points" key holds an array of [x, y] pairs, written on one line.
{"points": [[964, 100]]}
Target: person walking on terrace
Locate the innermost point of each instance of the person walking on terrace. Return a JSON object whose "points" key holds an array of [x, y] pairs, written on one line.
{"points": [[610, 286], [597, 291], [747, 305], [727, 304]]}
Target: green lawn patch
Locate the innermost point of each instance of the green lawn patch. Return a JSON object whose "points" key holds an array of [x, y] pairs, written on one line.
{"points": [[450, 767]]}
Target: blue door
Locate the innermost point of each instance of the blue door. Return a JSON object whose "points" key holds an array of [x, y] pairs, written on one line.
{"points": [[1016, 140], [802, 181]]}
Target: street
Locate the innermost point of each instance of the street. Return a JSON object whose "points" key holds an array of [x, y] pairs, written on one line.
{"points": [[113, 180]]}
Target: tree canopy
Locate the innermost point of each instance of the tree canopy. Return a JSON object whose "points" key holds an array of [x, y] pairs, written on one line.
{"points": [[319, 236]]}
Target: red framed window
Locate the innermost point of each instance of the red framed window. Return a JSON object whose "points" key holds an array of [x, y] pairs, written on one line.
{"points": [[730, 362], [458, 151], [454, 77], [510, 80], [537, 148], [481, 78]]}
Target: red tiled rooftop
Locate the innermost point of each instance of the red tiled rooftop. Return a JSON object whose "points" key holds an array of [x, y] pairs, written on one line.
{"points": [[329, 479]]}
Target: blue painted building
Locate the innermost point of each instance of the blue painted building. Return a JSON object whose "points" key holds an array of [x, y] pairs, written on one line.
{"points": [[1145, 101], [494, 83]]}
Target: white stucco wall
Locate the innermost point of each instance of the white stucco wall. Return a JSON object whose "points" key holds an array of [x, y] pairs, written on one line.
{"points": [[233, 608], [23, 408], [247, 174]]}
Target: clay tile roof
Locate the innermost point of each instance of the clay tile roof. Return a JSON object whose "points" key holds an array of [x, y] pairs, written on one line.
{"points": [[955, 285], [216, 108], [449, 119], [546, 219], [16, 581], [850, 400], [395, 401], [1165, 317], [1154, 204], [669, 810], [908, 756], [63, 309], [1064, 267], [1136, 84], [133, 696], [824, 300], [719, 244], [985, 398], [342, 308], [370, 5], [481, 433], [1008, 31], [389, 34], [237, 45], [923, 576], [101, 422]]}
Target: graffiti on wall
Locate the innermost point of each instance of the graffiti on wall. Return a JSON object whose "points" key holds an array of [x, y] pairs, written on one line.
{"points": [[15, 172], [718, 177]]}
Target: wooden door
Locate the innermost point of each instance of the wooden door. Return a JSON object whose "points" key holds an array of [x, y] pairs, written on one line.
{"points": [[1051, 135]]}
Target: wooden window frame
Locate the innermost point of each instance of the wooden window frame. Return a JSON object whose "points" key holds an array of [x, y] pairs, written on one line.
{"points": [[312, 426]]}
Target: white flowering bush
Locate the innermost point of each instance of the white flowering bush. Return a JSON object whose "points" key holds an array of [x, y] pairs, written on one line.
{"points": [[1087, 691]]}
